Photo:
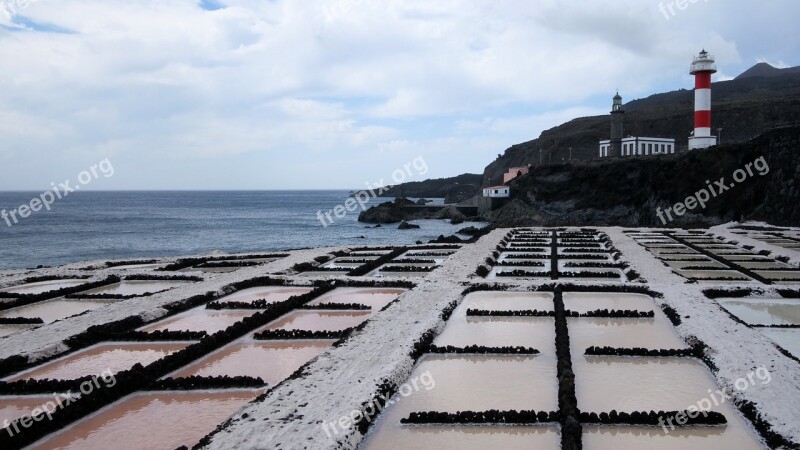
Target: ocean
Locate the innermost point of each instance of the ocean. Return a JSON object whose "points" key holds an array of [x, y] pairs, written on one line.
{"points": [[137, 225]]}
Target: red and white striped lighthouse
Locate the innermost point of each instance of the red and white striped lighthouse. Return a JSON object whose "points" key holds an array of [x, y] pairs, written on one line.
{"points": [[702, 68]]}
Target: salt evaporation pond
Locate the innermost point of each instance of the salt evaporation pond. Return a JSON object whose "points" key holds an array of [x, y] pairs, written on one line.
{"points": [[637, 438], [51, 310], [715, 275], [583, 302], [705, 264], [464, 438], [8, 330], [783, 276], [140, 267], [272, 361], [41, 287], [135, 287], [763, 312], [534, 332], [644, 384], [788, 339], [763, 265], [475, 383], [377, 298], [146, 421], [652, 334], [542, 272], [117, 356], [319, 320], [271, 294], [507, 301], [14, 407], [200, 319]]}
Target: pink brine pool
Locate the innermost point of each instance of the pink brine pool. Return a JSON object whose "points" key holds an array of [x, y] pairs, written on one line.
{"points": [[164, 420], [200, 319], [271, 361], [376, 298], [319, 320], [272, 294], [95, 360], [12, 408], [52, 310], [41, 287]]}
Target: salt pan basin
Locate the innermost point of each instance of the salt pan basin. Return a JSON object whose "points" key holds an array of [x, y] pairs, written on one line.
{"points": [[492, 382], [41, 287], [645, 384], [763, 312], [135, 287], [142, 267], [714, 275], [781, 276], [507, 301], [541, 273], [272, 294], [51, 310], [652, 334], [377, 298], [534, 332], [147, 421], [388, 437], [789, 339], [117, 356], [8, 330], [272, 361], [14, 407], [319, 320], [583, 302], [730, 437], [200, 319], [705, 264]]}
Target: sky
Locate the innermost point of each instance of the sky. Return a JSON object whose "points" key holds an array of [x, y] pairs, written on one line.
{"points": [[336, 94]]}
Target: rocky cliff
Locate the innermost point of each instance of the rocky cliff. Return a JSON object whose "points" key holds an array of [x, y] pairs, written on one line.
{"points": [[760, 99], [631, 191]]}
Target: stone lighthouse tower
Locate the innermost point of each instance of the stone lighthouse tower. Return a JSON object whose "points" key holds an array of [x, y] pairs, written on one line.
{"points": [[702, 68], [617, 127]]}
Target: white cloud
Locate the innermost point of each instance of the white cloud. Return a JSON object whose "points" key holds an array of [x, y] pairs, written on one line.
{"points": [[320, 81]]}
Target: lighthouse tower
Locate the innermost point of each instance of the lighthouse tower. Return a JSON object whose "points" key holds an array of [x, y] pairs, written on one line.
{"points": [[617, 126], [702, 68]]}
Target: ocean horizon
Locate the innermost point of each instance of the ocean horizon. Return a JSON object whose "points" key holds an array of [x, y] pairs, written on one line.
{"points": [[92, 225]]}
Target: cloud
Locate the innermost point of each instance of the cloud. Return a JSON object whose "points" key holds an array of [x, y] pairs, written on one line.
{"points": [[319, 84]]}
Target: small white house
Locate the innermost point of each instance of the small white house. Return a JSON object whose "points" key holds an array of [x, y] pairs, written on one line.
{"points": [[497, 192]]}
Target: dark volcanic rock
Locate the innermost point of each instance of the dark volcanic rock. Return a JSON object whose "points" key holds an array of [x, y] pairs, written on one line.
{"points": [[468, 231], [630, 191], [407, 226]]}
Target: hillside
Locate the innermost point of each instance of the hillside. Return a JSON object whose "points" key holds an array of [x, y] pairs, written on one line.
{"points": [[453, 189], [630, 191], [758, 100]]}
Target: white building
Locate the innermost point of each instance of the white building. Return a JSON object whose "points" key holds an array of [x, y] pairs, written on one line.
{"points": [[641, 146], [497, 192], [632, 145]]}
